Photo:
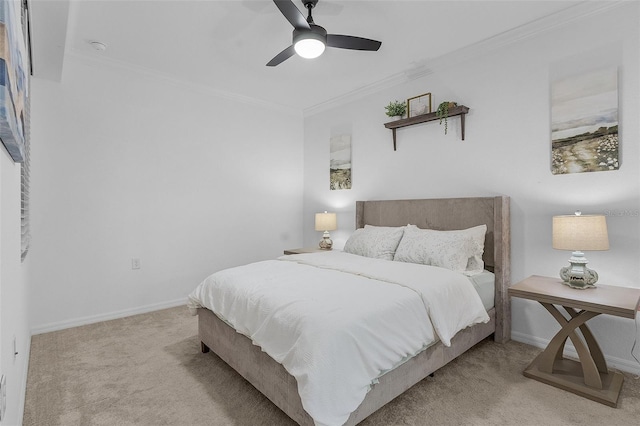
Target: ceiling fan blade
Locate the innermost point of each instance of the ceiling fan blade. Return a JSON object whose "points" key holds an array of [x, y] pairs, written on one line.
{"points": [[351, 42], [293, 14], [282, 56]]}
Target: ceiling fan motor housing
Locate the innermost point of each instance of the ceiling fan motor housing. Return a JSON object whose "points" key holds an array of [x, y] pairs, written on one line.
{"points": [[316, 32]]}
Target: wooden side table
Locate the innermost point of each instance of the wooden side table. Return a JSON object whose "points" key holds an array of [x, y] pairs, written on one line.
{"points": [[589, 377], [305, 250]]}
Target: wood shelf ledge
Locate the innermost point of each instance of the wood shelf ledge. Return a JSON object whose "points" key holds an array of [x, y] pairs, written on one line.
{"points": [[460, 110]]}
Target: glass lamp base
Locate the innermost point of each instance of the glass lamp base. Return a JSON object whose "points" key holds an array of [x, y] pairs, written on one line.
{"points": [[325, 242]]}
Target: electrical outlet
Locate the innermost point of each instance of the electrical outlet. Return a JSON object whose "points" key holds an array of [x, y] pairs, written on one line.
{"points": [[135, 263], [3, 397]]}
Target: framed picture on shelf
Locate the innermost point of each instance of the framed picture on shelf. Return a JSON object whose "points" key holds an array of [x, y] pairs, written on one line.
{"points": [[419, 105]]}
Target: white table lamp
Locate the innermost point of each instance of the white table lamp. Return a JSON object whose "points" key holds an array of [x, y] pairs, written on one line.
{"points": [[326, 222], [576, 233]]}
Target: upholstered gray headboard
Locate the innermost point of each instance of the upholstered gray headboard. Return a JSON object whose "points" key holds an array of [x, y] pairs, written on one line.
{"points": [[440, 214], [451, 214]]}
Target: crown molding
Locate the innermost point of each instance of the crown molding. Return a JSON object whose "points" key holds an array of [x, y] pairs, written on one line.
{"points": [[425, 67], [181, 83], [375, 87]]}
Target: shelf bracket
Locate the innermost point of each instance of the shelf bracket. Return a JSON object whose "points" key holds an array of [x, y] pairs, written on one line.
{"points": [[393, 131]]}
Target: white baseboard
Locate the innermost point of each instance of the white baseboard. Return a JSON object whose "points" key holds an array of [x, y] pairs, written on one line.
{"points": [[23, 389], [629, 366], [76, 322]]}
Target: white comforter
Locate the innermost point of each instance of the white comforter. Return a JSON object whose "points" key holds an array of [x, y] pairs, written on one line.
{"points": [[338, 321]]}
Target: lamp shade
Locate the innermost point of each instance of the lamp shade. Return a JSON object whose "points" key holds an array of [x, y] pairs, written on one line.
{"points": [[326, 222], [580, 232]]}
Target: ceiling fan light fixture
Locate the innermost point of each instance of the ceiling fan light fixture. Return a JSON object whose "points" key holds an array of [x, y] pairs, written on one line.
{"points": [[309, 48], [310, 44]]}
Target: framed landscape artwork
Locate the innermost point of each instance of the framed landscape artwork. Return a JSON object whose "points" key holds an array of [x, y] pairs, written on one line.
{"points": [[584, 123], [14, 78], [340, 162]]}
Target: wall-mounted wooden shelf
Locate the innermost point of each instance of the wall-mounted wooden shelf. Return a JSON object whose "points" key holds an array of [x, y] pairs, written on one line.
{"points": [[460, 110]]}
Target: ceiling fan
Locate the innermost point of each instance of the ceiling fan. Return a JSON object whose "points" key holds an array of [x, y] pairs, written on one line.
{"points": [[309, 39]]}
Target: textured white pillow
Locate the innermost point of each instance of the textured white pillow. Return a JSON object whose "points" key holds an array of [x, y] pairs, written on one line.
{"points": [[379, 242], [477, 234], [447, 249]]}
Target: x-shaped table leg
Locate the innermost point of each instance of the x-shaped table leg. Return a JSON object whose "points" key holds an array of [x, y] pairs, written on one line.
{"points": [[590, 354]]}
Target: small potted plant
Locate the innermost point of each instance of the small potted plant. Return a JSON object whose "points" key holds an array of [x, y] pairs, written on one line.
{"points": [[443, 112], [396, 109]]}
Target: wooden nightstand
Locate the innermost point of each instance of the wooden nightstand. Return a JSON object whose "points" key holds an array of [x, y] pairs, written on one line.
{"points": [[305, 250], [589, 377]]}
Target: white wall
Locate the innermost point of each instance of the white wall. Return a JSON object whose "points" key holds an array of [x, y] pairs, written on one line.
{"points": [[128, 164], [14, 321], [506, 151]]}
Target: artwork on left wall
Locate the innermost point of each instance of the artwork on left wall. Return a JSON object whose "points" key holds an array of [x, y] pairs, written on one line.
{"points": [[14, 77], [340, 162], [584, 123]]}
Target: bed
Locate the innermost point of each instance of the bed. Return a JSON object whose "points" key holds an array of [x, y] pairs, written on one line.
{"points": [[274, 381]]}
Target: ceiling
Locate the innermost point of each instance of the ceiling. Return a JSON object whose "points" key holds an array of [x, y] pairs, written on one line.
{"points": [[224, 45]]}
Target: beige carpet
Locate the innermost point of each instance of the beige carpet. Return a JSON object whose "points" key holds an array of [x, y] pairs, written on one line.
{"points": [[148, 370]]}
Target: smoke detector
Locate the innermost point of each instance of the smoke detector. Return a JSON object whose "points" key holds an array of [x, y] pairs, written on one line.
{"points": [[99, 46]]}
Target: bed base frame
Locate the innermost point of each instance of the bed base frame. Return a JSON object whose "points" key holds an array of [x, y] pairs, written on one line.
{"points": [[272, 380]]}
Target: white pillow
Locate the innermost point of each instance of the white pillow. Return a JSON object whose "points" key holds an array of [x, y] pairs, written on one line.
{"points": [[448, 249], [477, 234], [379, 242]]}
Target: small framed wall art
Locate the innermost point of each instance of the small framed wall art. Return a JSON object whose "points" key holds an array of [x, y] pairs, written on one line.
{"points": [[419, 105], [340, 162]]}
